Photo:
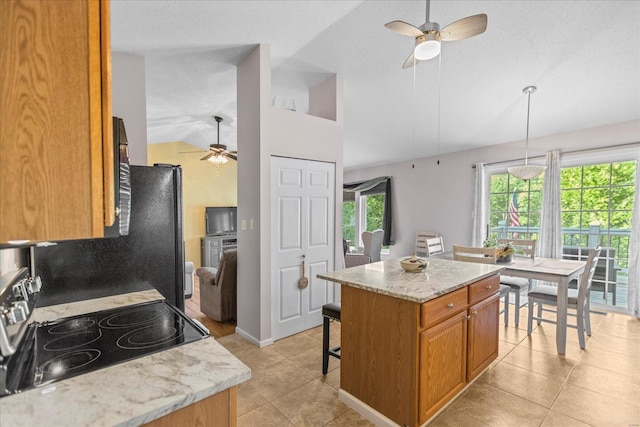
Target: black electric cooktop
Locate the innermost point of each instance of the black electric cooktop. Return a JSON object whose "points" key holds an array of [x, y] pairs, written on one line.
{"points": [[76, 345]]}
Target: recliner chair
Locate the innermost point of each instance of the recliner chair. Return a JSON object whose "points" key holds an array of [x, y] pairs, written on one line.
{"points": [[218, 288], [372, 247]]}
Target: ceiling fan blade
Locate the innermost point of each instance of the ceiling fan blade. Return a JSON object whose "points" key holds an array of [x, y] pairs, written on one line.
{"points": [[464, 28], [410, 61], [403, 28], [207, 156], [232, 156]]}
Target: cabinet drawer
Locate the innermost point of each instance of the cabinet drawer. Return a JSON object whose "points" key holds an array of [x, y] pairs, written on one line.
{"points": [[483, 288], [441, 308]]}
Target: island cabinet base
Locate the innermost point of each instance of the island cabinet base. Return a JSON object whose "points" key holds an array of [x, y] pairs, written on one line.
{"points": [[218, 410], [407, 360]]}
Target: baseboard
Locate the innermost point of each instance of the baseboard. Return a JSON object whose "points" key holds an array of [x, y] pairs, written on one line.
{"points": [[381, 420], [253, 339], [365, 410]]}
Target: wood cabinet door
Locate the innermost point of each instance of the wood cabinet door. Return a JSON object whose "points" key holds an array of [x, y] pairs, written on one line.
{"points": [[442, 364], [55, 112], [483, 335]]}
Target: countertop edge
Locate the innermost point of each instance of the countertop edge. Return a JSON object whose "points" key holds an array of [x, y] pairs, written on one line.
{"points": [[395, 291], [167, 405], [185, 399], [184, 402]]}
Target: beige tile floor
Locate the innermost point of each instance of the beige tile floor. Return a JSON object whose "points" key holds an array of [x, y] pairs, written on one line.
{"points": [[528, 385]]}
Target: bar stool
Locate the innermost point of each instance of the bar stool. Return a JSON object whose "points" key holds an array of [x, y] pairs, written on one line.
{"points": [[330, 312]]}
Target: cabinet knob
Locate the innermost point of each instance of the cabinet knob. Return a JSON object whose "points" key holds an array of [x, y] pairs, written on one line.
{"points": [[450, 305], [474, 312]]}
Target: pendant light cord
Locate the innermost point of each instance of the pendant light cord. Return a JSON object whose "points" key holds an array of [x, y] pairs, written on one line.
{"points": [[439, 104], [413, 126], [526, 145]]}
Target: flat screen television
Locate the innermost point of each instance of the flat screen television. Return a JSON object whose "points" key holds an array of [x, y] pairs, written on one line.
{"points": [[221, 220]]}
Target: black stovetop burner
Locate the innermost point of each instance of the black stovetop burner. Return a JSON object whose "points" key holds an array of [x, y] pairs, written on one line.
{"points": [[76, 345]]}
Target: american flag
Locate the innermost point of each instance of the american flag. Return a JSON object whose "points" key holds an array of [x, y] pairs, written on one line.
{"points": [[514, 218]]}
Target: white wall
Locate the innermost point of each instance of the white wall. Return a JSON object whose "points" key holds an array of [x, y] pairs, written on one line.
{"points": [[265, 131], [252, 73], [130, 102], [440, 197]]}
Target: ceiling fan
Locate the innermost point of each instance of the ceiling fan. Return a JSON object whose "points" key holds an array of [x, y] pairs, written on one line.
{"points": [[429, 35], [218, 153]]}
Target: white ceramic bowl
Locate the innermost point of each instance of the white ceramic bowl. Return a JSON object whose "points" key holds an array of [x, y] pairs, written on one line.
{"points": [[414, 264]]}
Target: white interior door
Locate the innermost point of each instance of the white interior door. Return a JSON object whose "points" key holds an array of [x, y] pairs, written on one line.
{"points": [[302, 212]]}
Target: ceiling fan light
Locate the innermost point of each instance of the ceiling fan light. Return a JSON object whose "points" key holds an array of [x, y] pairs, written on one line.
{"points": [[218, 160], [526, 172], [427, 49]]}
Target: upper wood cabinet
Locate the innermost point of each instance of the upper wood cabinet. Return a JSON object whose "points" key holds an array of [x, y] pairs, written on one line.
{"points": [[56, 137]]}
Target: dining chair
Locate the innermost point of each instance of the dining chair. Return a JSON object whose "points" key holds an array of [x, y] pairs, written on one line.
{"points": [[372, 241], [504, 293], [579, 299], [473, 254], [484, 256], [434, 245], [526, 249], [421, 241]]}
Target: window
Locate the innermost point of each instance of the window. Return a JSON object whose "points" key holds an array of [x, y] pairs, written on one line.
{"points": [[349, 221], [597, 207], [366, 207], [597, 194], [364, 214], [514, 207], [373, 210]]}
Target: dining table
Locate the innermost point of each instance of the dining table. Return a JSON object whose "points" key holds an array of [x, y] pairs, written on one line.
{"points": [[560, 271]]}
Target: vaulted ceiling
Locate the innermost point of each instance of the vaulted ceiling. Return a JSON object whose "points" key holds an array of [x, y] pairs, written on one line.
{"points": [[584, 56]]}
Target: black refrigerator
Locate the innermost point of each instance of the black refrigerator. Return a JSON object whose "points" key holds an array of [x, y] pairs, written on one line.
{"points": [[150, 256]]}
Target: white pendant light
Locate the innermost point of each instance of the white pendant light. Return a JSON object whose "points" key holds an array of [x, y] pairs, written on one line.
{"points": [[527, 172]]}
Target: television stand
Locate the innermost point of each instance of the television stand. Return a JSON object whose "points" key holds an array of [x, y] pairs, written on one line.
{"points": [[212, 248]]}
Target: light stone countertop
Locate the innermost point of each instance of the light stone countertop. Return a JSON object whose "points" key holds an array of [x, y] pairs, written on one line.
{"points": [[440, 277], [129, 393]]}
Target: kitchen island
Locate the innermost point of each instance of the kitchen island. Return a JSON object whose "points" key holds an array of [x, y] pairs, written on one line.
{"points": [[179, 386], [412, 341]]}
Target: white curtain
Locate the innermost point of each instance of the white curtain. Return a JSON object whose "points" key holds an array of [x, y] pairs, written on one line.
{"points": [[479, 217], [550, 244], [634, 251]]}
